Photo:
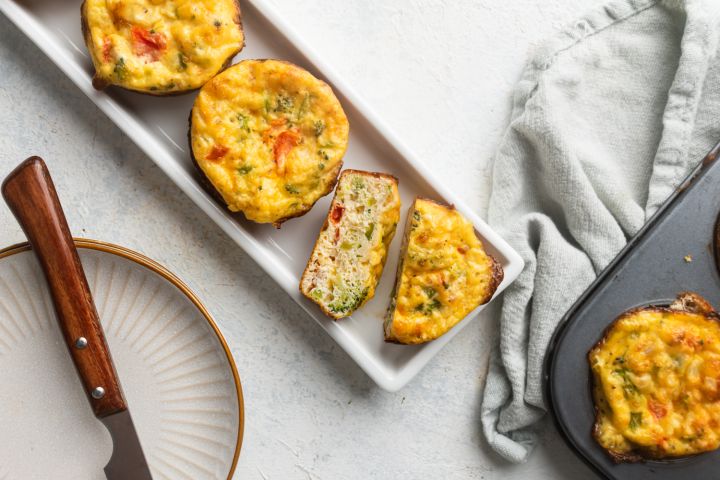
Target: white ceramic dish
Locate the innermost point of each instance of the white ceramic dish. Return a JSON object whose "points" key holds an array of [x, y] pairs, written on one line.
{"points": [[175, 368], [159, 127]]}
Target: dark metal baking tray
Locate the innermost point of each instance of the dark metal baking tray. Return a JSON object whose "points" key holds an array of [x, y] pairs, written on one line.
{"points": [[651, 269]]}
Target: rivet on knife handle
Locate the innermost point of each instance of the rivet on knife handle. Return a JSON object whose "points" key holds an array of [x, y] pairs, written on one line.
{"points": [[30, 194]]}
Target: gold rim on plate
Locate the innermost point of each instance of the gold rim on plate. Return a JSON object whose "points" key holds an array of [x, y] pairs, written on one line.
{"points": [[154, 266]]}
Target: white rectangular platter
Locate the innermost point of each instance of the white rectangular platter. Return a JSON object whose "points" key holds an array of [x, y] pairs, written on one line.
{"points": [[159, 127]]}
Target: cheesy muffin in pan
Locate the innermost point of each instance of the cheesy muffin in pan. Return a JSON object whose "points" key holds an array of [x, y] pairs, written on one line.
{"points": [[444, 274], [269, 137], [656, 382], [160, 47]]}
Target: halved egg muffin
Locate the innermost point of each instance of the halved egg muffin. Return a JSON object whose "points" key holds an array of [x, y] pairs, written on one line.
{"points": [[160, 47], [444, 273], [269, 137], [656, 382]]}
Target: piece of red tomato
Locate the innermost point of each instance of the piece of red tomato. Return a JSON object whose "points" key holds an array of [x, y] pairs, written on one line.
{"points": [[148, 43], [217, 152], [284, 143]]}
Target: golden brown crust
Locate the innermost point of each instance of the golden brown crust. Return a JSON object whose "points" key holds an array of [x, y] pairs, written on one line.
{"points": [[100, 83], [689, 302], [497, 278], [371, 174], [326, 223], [693, 303]]}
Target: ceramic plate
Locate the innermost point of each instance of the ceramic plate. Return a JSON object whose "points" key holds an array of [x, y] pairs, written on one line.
{"points": [[176, 370], [159, 126]]}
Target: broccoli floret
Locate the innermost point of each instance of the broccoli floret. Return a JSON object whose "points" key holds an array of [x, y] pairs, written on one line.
{"points": [[284, 104], [120, 69], [427, 308], [348, 300]]}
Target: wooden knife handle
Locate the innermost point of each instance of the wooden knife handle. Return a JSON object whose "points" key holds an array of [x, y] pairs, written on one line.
{"points": [[31, 195]]}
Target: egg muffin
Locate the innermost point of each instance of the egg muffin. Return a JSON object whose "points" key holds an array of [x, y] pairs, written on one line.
{"points": [[160, 47], [656, 379], [269, 137], [443, 275], [349, 255]]}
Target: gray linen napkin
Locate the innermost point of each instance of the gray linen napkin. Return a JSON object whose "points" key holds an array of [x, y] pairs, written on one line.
{"points": [[608, 117]]}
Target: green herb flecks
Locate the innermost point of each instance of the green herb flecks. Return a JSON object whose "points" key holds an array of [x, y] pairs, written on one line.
{"points": [[429, 307], [318, 127], [323, 154], [243, 121], [369, 231], [316, 294], [346, 245], [430, 291], [304, 105], [245, 169], [635, 420], [629, 388], [217, 23], [416, 220], [291, 189], [120, 69], [181, 61], [321, 166], [266, 105]]}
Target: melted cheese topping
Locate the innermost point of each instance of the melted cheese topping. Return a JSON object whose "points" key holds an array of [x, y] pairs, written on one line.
{"points": [[161, 46], [656, 384], [445, 274], [270, 137]]}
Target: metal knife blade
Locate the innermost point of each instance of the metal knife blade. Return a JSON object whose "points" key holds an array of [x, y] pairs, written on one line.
{"points": [[127, 460], [31, 196]]}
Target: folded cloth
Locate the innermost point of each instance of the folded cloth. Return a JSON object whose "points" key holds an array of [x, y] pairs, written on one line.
{"points": [[608, 118]]}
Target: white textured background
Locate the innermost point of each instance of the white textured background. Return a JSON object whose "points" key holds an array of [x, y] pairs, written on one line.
{"points": [[441, 73]]}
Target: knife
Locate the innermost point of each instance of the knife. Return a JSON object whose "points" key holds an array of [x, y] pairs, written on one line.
{"points": [[31, 196]]}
